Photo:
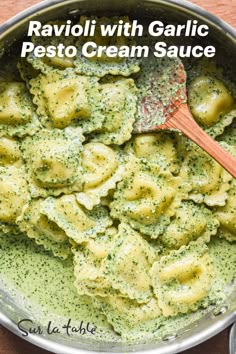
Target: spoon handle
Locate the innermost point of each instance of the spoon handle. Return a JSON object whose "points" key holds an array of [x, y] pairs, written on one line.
{"points": [[184, 122]]}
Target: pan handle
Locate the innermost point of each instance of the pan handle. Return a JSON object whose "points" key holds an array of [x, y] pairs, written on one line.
{"points": [[232, 339]]}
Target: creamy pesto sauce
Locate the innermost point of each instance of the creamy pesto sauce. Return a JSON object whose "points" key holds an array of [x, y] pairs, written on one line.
{"points": [[46, 284]]}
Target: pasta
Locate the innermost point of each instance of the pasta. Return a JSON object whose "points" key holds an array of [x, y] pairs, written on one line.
{"points": [[77, 223], [64, 99], [208, 181], [10, 153], [102, 171], [190, 222], [119, 108], [159, 147], [90, 278], [13, 196], [218, 99], [106, 265], [17, 117], [128, 263], [227, 215], [101, 66], [56, 167], [45, 232], [146, 198], [209, 100], [182, 279]]}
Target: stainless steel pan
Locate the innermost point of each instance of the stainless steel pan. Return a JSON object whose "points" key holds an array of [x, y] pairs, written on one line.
{"points": [[224, 37]]}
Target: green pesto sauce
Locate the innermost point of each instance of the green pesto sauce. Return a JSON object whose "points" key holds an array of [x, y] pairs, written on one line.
{"points": [[45, 283]]}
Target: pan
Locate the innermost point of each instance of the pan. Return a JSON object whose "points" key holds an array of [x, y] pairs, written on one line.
{"points": [[13, 305]]}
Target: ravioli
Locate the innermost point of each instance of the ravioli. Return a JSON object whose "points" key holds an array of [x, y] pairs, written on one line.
{"points": [[208, 180], [213, 96], [77, 222], [101, 171], [101, 66], [45, 232], [190, 223], [147, 197], [17, 117], [160, 148], [10, 153], [128, 315], [56, 168], [119, 98], [182, 280], [209, 100], [13, 196], [88, 257], [227, 215], [65, 99], [128, 263], [47, 64]]}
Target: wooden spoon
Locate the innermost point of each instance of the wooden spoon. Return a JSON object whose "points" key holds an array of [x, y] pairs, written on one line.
{"points": [[162, 105]]}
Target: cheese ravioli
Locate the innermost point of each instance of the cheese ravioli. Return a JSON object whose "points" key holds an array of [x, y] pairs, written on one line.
{"points": [[101, 66], [77, 222], [56, 167], [17, 116], [227, 215], [118, 100], [208, 181], [147, 197], [101, 171], [13, 196], [65, 99], [183, 279], [191, 222], [45, 232]]}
